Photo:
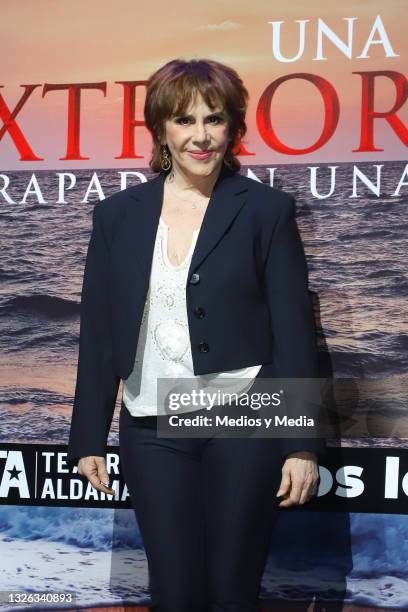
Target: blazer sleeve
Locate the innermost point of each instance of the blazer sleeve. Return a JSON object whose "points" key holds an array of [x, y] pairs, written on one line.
{"points": [[96, 384], [295, 352]]}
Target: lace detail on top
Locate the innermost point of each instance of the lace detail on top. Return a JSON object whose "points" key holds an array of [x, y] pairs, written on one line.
{"points": [[164, 348]]}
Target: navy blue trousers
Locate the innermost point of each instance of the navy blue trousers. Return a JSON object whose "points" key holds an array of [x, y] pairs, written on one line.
{"points": [[205, 508]]}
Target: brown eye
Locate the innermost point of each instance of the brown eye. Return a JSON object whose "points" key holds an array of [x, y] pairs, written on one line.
{"points": [[180, 120]]}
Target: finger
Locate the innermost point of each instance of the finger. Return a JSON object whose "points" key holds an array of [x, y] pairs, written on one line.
{"points": [[292, 497], [303, 487], [313, 483], [284, 486], [295, 496], [92, 470], [106, 488], [309, 489], [104, 479], [95, 481], [305, 495], [296, 490], [309, 494], [102, 472], [97, 484], [286, 502], [314, 489]]}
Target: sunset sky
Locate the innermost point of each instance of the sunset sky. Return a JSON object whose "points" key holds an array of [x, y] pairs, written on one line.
{"points": [[102, 41]]}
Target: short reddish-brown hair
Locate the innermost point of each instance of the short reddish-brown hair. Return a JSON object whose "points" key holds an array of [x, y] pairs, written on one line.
{"points": [[171, 88]]}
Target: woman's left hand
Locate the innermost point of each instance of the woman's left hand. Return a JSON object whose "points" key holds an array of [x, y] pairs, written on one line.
{"points": [[300, 476]]}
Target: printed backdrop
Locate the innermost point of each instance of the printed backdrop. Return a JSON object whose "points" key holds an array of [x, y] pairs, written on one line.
{"points": [[327, 122]]}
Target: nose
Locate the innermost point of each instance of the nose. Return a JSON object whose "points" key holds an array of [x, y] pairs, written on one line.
{"points": [[200, 134]]}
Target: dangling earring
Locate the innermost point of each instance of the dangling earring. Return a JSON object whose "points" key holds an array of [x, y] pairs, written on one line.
{"points": [[165, 159]]}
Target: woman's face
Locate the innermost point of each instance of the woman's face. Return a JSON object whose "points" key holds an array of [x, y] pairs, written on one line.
{"points": [[200, 129]]}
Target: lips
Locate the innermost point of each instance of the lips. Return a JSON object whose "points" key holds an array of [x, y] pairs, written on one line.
{"points": [[200, 154]]}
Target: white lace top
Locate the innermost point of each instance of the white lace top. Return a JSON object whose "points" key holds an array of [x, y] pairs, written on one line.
{"points": [[164, 349]]}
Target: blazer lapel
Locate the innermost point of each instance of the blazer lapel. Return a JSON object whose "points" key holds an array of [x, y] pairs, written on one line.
{"points": [[227, 198]]}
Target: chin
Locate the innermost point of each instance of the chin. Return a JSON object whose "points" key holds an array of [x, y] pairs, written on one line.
{"points": [[200, 167]]}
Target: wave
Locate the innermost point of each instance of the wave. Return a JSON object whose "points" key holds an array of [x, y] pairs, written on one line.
{"points": [[381, 233], [42, 304], [363, 364], [91, 528]]}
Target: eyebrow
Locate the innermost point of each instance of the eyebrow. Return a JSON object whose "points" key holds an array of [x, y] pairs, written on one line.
{"points": [[220, 112]]}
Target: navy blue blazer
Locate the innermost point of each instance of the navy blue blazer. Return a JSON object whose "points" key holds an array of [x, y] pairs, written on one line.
{"points": [[247, 296]]}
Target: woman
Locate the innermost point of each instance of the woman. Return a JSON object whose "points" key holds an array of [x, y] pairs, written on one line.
{"points": [[197, 273]]}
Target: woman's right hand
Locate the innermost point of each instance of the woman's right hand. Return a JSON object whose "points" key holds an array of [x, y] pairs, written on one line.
{"points": [[94, 469]]}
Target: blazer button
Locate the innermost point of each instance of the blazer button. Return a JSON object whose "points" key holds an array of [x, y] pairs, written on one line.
{"points": [[199, 312], [195, 278], [203, 347]]}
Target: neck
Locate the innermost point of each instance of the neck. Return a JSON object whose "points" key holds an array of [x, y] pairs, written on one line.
{"points": [[199, 185]]}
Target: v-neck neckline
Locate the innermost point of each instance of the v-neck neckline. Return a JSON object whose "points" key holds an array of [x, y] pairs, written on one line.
{"points": [[165, 246]]}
